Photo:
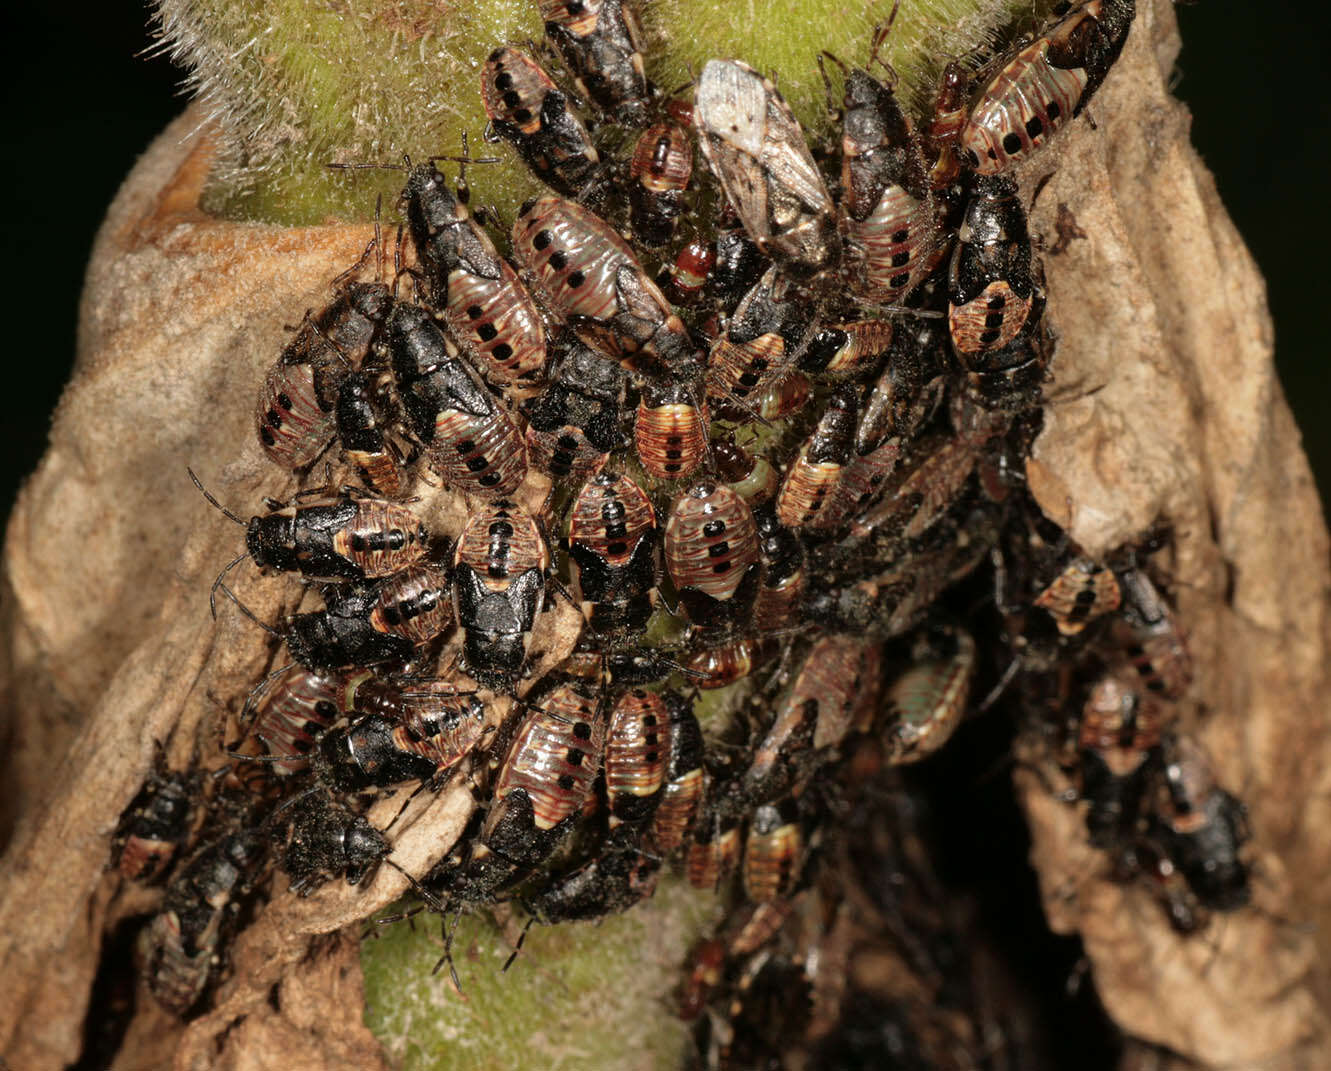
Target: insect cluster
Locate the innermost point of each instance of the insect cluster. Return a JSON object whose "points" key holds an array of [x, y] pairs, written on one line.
{"points": [[762, 418]]}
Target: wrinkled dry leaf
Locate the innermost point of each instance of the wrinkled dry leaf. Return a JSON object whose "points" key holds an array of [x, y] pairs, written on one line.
{"points": [[1164, 404]]}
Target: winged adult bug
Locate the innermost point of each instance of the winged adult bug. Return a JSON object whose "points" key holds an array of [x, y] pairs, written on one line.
{"points": [[295, 412], [761, 343], [753, 144], [1118, 743], [637, 754], [155, 824], [347, 536], [183, 944], [574, 424], [1201, 827], [1152, 637], [486, 305], [414, 603], [470, 439], [500, 568], [600, 43], [1080, 593], [682, 794], [926, 702], [813, 475], [773, 852], [614, 555], [1044, 84], [992, 291], [547, 773], [530, 112], [670, 431], [885, 193], [322, 839], [751, 476], [847, 350], [591, 277], [366, 445], [660, 169]]}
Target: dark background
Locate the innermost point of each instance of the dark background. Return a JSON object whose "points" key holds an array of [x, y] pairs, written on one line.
{"points": [[81, 108]]}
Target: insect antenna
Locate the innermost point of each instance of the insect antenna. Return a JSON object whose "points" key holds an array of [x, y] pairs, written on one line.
{"points": [[248, 612], [213, 502], [522, 937], [212, 592]]}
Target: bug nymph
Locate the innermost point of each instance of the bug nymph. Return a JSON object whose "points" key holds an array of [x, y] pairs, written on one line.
{"points": [[610, 883], [1118, 743], [683, 792], [926, 703], [343, 537], [1080, 593], [785, 577], [755, 147], [155, 824], [773, 852], [500, 569], [759, 345], [711, 549], [945, 123], [660, 169], [1152, 637], [471, 440], [614, 555], [183, 944], [814, 474], [637, 754], [885, 194], [487, 306], [295, 411], [345, 633], [591, 277], [323, 839], [548, 773], [1202, 827], [600, 43], [293, 710], [574, 424], [530, 112], [991, 290], [670, 431], [414, 604], [365, 446], [1044, 84]]}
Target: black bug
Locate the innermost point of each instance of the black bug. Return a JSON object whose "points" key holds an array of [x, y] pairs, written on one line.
{"points": [[530, 112], [614, 556], [575, 423], [600, 43], [500, 568], [155, 824], [322, 839], [661, 166]]}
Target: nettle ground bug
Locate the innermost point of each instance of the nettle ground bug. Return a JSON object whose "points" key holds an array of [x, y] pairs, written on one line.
{"points": [[1118, 744], [946, 119], [156, 823], [773, 852], [682, 793], [691, 270], [591, 277], [637, 755], [295, 412], [345, 633], [785, 576], [613, 881], [486, 305], [1152, 637], [1044, 84], [752, 476], [470, 439], [1201, 827], [992, 290], [500, 569], [847, 350], [530, 112], [322, 838], [414, 604], [348, 536], [183, 944], [367, 443], [757, 151], [600, 43], [660, 169], [885, 194], [926, 703], [614, 556], [548, 772], [1080, 593], [574, 424], [670, 431], [292, 709], [814, 474]]}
